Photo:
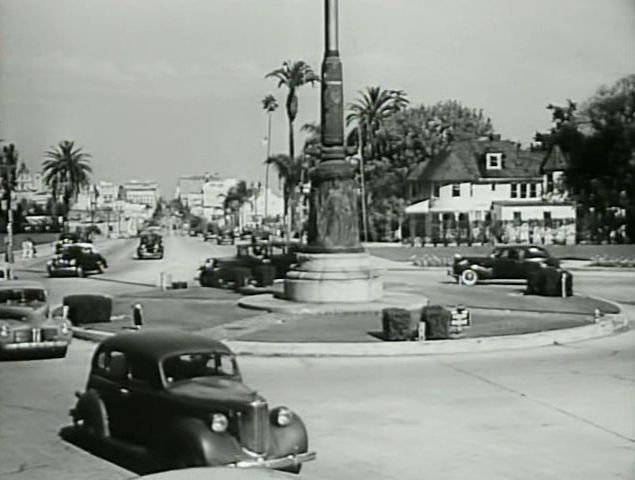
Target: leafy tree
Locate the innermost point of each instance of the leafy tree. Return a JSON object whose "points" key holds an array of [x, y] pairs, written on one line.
{"points": [[598, 138], [269, 105], [291, 173], [293, 75], [236, 197], [65, 172]]}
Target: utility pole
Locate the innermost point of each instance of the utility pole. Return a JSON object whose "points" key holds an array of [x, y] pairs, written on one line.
{"points": [[8, 166]]}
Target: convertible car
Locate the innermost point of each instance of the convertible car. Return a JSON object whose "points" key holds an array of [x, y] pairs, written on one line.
{"points": [[180, 396], [76, 259], [505, 262], [27, 325]]}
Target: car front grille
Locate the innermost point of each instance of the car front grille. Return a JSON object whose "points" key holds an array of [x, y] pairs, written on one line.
{"points": [[23, 335], [47, 334], [254, 427]]}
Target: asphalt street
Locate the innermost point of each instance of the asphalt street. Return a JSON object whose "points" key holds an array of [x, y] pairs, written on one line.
{"points": [[547, 413]]}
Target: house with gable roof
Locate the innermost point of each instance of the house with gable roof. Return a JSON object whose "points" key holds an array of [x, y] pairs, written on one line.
{"points": [[490, 190]]}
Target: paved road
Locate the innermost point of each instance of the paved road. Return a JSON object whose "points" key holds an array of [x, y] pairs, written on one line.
{"points": [[549, 413]]}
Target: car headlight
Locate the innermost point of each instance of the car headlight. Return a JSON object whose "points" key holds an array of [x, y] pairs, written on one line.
{"points": [[5, 331], [65, 328], [73, 261], [219, 423], [283, 416]]}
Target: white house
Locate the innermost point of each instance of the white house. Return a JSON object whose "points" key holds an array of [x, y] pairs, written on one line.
{"points": [[467, 193], [141, 192]]}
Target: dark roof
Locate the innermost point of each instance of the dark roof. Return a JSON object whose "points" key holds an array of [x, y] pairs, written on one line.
{"points": [[158, 344], [464, 161], [555, 160]]}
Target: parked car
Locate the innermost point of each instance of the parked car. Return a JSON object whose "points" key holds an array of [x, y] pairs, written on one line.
{"points": [[76, 259], [225, 237], [150, 246], [219, 272], [27, 324], [505, 262], [181, 397]]}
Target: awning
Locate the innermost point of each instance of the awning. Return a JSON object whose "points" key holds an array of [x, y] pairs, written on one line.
{"points": [[417, 208]]}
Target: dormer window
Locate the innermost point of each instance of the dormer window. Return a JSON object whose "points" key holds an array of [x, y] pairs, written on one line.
{"points": [[494, 161]]}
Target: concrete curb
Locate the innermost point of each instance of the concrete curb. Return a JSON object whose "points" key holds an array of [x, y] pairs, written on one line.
{"points": [[610, 324]]}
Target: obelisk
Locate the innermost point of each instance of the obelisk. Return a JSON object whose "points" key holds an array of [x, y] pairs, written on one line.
{"points": [[334, 266]]}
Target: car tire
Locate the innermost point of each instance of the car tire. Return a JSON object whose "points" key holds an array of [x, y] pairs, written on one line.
{"points": [[80, 272], [100, 267], [91, 412], [469, 277]]}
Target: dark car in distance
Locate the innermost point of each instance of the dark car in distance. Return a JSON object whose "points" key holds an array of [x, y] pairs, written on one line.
{"points": [[221, 271], [76, 259], [509, 262], [150, 246], [180, 396], [64, 239]]}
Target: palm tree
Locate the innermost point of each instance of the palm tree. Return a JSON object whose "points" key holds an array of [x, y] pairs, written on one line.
{"points": [[293, 75], [66, 172], [369, 112], [291, 174], [269, 105], [236, 198]]}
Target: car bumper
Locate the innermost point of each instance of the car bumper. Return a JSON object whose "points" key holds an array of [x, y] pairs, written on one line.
{"points": [[150, 254], [67, 270], [45, 345], [276, 463]]}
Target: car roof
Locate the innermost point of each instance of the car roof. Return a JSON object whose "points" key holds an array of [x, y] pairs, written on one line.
{"points": [[13, 284], [523, 246], [159, 344]]}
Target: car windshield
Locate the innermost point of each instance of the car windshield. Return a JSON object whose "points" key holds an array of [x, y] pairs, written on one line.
{"points": [[23, 296], [195, 365], [150, 238]]}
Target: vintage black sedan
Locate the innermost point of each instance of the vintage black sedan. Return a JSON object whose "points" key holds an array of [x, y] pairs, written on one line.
{"points": [[76, 259], [150, 246], [249, 258], [510, 262], [181, 397], [64, 239], [27, 324]]}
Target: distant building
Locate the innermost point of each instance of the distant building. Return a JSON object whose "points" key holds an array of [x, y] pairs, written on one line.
{"points": [[30, 186], [489, 190], [189, 190], [214, 191], [141, 193]]}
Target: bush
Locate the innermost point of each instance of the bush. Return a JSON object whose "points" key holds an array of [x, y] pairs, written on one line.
{"points": [[209, 278], [88, 308], [264, 275], [437, 320], [535, 282], [548, 282], [178, 285], [397, 324]]}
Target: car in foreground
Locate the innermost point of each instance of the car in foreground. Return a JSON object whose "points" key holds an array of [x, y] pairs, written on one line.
{"points": [[27, 323], [181, 397], [150, 246], [222, 271], [76, 259], [509, 262]]}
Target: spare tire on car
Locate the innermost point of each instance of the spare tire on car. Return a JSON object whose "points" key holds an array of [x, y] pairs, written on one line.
{"points": [[88, 308]]}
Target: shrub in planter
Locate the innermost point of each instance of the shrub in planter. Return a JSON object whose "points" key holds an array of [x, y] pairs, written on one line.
{"points": [[240, 276], [397, 324], [535, 281], [264, 275], [87, 308], [437, 319]]}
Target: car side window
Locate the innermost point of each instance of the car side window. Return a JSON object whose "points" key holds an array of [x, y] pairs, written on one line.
{"points": [[512, 254], [144, 372], [112, 364], [535, 252]]}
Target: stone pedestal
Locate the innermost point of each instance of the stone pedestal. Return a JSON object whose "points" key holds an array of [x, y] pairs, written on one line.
{"points": [[333, 277]]}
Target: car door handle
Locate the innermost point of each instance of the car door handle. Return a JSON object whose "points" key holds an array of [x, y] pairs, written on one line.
{"points": [[124, 391]]}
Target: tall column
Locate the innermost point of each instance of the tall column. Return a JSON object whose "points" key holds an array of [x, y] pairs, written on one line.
{"points": [[333, 217]]}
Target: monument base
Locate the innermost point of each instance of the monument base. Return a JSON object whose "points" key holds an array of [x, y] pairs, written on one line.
{"points": [[333, 277]]}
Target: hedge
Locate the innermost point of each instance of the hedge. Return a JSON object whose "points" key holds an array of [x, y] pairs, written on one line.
{"points": [[437, 319], [88, 308], [264, 275], [397, 324]]}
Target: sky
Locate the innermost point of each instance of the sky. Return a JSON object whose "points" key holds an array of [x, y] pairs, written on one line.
{"points": [[155, 89]]}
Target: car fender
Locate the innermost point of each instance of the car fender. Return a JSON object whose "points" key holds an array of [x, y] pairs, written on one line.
{"points": [[206, 446], [483, 271], [292, 438]]}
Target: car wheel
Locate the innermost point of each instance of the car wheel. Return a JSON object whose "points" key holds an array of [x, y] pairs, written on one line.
{"points": [[80, 271], [100, 267], [469, 277], [90, 414]]}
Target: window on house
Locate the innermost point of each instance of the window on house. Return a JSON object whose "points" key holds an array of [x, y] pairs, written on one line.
{"points": [[493, 187], [514, 190], [550, 182], [494, 161], [436, 190], [523, 190], [456, 189], [518, 218], [533, 190]]}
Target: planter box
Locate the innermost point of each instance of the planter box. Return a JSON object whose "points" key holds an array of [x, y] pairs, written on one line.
{"points": [[437, 319], [397, 324], [83, 309]]}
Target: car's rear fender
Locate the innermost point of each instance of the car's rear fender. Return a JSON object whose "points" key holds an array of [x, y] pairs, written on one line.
{"points": [[206, 446]]}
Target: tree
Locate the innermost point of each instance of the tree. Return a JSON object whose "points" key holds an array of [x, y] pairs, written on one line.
{"points": [[236, 197], [269, 105], [8, 179], [598, 137], [291, 174], [293, 75], [66, 172]]}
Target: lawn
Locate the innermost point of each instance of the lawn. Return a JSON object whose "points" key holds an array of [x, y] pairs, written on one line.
{"points": [[568, 252]]}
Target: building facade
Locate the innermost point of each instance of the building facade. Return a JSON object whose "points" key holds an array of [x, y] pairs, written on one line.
{"points": [[141, 192], [489, 190]]}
